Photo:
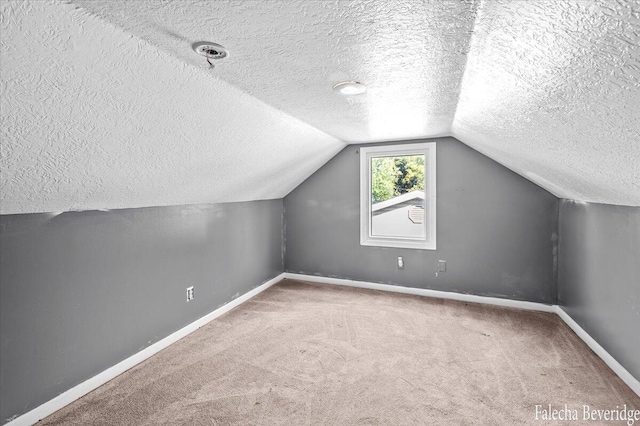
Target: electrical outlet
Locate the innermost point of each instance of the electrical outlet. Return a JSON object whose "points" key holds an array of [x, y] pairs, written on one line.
{"points": [[400, 262], [190, 294], [442, 266]]}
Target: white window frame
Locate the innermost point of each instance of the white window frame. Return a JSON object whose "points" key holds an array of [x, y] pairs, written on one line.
{"points": [[427, 149]]}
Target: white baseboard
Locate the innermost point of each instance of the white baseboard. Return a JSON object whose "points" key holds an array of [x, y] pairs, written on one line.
{"points": [[530, 306], [98, 380], [617, 368]]}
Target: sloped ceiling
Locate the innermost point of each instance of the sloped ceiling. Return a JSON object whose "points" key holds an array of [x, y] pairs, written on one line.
{"points": [[411, 54], [552, 90], [94, 118], [104, 104]]}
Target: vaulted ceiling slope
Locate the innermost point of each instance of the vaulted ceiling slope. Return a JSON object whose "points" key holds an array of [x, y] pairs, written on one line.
{"points": [[104, 105], [552, 90], [289, 53], [93, 118]]}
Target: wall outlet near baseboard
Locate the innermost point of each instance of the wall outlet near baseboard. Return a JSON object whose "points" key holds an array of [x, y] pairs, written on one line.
{"points": [[190, 294], [400, 262]]}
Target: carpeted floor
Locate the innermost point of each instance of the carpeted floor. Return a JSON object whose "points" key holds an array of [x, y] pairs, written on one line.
{"points": [[310, 354]]}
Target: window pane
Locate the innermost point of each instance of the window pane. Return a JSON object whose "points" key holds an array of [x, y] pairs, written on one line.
{"points": [[398, 196]]}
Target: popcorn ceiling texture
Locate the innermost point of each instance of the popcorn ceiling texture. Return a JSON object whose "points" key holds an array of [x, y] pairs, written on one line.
{"points": [[104, 105], [411, 55], [93, 117], [552, 91]]}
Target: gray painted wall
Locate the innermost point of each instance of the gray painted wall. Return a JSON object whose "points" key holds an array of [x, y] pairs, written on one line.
{"points": [[599, 277], [81, 291], [496, 230]]}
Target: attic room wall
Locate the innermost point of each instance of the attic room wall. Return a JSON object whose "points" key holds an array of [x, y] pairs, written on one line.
{"points": [[496, 230], [599, 266], [81, 291]]}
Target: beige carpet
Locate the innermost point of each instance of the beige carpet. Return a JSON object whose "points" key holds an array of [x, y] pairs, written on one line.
{"points": [[308, 354]]}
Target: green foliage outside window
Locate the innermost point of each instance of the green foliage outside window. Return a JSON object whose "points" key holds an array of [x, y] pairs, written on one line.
{"points": [[393, 176]]}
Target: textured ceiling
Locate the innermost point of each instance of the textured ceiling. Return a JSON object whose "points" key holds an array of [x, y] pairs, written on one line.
{"points": [[411, 55], [93, 117], [104, 105], [552, 91]]}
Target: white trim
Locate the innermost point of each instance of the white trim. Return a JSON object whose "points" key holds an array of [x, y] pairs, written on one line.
{"points": [[110, 373], [428, 149], [617, 368], [519, 304], [98, 380]]}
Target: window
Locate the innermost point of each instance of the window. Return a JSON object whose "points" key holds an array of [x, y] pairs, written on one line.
{"points": [[398, 196]]}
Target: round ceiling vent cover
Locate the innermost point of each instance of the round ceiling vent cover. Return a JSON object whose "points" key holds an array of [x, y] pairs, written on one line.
{"points": [[210, 50]]}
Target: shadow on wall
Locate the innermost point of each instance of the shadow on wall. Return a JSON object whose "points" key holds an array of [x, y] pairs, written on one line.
{"points": [[599, 279]]}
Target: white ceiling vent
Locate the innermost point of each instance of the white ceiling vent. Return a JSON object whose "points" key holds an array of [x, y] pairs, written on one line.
{"points": [[211, 51]]}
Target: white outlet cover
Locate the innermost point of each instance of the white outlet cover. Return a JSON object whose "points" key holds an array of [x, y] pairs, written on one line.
{"points": [[190, 293]]}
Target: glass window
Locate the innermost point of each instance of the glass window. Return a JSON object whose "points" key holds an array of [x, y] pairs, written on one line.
{"points": [[398, 196]]}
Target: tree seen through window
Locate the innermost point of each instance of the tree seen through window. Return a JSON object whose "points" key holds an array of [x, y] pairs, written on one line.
{"points": [[393, 176]]}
